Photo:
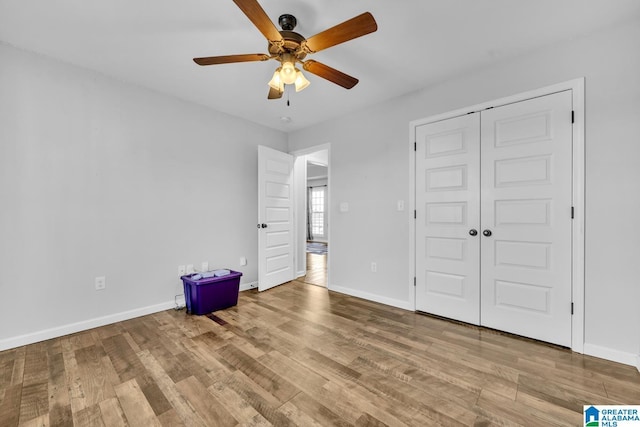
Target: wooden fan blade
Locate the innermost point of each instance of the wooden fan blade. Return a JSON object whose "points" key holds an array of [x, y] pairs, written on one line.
{"points": [[331, 74], [274, 93], [260, 19], [227, 59], [348, 30]]}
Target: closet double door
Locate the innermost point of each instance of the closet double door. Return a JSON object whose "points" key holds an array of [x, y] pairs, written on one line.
{"points": [[493, 218]]}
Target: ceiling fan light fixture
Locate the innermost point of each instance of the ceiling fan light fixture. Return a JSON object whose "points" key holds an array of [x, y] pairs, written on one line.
{"points": [[301, 81], [288, 72], [276, 81]]}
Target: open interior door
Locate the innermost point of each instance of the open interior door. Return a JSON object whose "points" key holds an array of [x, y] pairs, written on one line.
{"points": [[275, 218]]}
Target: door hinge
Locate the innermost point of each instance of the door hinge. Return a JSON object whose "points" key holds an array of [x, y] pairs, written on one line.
{"points": [[572, 212], [573, 116], [414, 281], [415, 146], [572, 309], [415, 214]]}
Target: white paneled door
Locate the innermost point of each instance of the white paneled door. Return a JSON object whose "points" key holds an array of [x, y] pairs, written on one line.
{"points": [[448, 208], [526, 208], [493, 223], [275, 218]]}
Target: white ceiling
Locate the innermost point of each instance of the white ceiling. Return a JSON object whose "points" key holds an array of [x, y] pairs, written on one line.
{"points": [[418, 43]]}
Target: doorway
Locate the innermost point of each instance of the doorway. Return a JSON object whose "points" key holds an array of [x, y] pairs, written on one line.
{"points": [[311, 175]]}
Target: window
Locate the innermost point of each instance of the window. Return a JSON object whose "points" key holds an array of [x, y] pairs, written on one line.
{"points": [[318, 201]]}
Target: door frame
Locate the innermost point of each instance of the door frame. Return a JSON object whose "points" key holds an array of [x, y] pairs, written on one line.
{"points": [[577, 87], [299, 211]]}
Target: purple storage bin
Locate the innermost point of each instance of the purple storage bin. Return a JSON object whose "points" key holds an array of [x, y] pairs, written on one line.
{"points": [[210, 294]]}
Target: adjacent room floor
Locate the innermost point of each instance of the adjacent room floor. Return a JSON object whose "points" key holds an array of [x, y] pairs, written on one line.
{"points": [[316, 264], [302, 355]]}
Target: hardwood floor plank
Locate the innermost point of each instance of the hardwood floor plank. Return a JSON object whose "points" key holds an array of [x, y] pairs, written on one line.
{"points": [[258, 398], [501, 410], [10, 406], [171, 419], [305, 379], [73, 380], [41, 421], [123, 357], [559, 394], [563, 376], [78, 340], [135, 405], [235, 404], [279, 387], [171, 362], [210, 409], [435, 405], [305, 410], [34, 400], [153, 394], [89, 416], [95, 385], [59, 405], [359, 400], [6, 372], [320, 362], [112, 413], [184, 411], [622, 391], [560, 415], [367, 420]]}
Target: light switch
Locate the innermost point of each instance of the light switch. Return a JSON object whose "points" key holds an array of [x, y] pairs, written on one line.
{"points": [[400, 205]]}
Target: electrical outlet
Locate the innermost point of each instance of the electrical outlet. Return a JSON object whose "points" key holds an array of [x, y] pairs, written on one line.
{"points": [[190, 269], [101, 283], [205, 266], [182, 270], [374, 267], [243, 260]]}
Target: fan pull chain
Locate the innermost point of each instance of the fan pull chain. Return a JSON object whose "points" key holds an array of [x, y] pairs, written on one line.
{"points": [[288, 103]]}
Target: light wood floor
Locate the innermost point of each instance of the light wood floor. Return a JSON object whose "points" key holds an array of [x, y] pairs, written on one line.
{"points": [[301, 355], [316, 270]]}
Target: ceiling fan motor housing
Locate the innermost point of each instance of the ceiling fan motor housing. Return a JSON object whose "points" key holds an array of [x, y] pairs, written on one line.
{"points": [[287, 22], [291, 42]]}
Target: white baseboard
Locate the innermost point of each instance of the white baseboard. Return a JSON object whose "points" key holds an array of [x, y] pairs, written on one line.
{"points": [[300, 274], [247, 286], [72, 328], [613, 355], [405, 305]]}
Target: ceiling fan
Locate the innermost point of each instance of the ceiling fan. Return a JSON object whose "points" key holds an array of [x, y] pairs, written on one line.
{"points": [[290, 48]]}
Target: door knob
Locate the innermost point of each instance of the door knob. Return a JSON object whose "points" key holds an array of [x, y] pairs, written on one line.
{"points": [[263, 225], [473, 232], [486, 233]]}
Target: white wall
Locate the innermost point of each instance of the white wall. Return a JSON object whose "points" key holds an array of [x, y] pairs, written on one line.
{"points": [[103, 178], [370, 170]]}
